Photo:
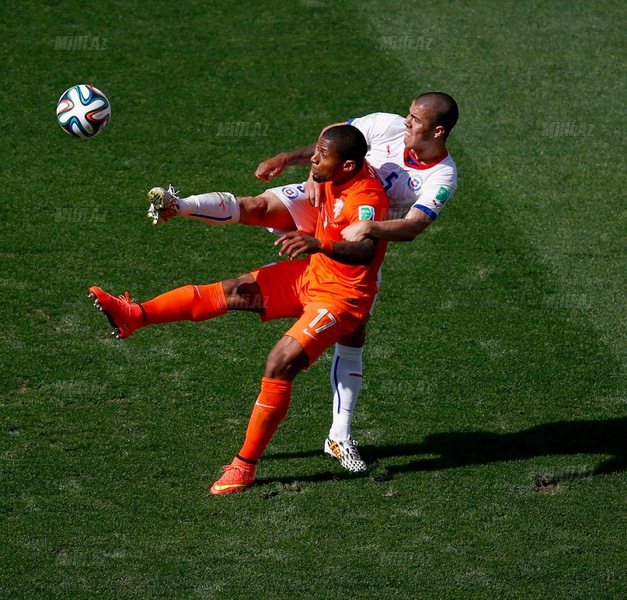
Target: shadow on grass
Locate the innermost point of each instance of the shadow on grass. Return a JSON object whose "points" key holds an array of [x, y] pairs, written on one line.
{"points": [[461, 449]]}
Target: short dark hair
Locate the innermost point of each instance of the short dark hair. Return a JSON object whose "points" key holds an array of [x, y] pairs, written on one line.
{"points": [[349, 142], [444, 107]]}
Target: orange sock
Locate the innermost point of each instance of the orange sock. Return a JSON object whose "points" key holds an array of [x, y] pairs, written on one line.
{"points": [[188, 303], [269, 410]]}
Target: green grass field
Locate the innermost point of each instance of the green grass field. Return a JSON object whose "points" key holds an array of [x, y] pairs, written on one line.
{"points": [[494, 409]]}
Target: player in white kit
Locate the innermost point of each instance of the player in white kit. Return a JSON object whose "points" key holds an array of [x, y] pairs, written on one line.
{"points": [[410, 158]]}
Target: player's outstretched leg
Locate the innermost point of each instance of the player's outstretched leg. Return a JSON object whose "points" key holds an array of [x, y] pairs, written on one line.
{"points": [[220, 208], [214, 208], [187, 303]]}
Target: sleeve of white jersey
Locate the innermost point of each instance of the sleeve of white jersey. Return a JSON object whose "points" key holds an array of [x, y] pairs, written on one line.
{"points": [[374, 125], [436, 192]]}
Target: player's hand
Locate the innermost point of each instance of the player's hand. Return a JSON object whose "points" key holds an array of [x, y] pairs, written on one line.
{"points": [[312, 191], [295, 243], [269, 169], [356, 232]]}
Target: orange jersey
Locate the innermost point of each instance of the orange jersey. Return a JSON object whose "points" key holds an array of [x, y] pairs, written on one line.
{"points": [[353, 286]]}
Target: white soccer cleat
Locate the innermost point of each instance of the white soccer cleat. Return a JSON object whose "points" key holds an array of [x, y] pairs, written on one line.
{"points": [[347, 453], [164, 204]]}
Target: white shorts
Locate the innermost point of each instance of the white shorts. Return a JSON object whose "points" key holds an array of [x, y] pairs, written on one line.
{"points": [[304, 214]]}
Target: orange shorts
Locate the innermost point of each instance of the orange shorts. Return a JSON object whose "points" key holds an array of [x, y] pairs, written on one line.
{"points": [[321, 322]]}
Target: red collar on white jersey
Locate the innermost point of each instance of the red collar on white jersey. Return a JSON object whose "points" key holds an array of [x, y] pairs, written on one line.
{"points": [[411, 161]]}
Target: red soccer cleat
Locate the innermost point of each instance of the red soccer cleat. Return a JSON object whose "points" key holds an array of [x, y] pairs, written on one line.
{"points": [[124, 315], [235, 478]]}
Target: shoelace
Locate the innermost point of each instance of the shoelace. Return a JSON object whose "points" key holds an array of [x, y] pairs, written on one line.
{"points": [[126, 297], [241, 470], [350, 450], [227, 468]]}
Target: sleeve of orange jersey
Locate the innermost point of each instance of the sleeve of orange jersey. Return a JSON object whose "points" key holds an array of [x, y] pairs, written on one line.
{"points": [[371, 195]]}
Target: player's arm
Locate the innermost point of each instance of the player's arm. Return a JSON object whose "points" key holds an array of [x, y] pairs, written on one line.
{"points": [[397, 230], [301, 157], [269, 169], [294, 244]]}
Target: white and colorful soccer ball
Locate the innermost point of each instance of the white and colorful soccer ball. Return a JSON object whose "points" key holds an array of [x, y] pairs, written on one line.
{"points": [[83, 111]]}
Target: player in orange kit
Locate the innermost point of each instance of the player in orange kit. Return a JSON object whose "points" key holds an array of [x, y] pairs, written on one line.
{"points": [[330, 292], [409, 156]]}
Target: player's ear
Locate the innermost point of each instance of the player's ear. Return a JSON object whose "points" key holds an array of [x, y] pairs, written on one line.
{"points": [[349, 165], [439, 131]]}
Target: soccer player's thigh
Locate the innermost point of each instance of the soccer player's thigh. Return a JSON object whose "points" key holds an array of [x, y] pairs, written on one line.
{"points": [[321, 325], [265, 210], [280, 209], [279, 285], [355, 339]]}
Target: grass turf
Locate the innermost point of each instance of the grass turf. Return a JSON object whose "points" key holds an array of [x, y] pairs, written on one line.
{"points": [[493, 413]]}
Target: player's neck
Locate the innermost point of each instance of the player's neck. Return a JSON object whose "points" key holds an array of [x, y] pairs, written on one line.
{"points": [[428, 155], [343, 179]]}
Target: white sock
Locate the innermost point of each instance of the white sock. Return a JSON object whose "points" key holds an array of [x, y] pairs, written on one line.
{"points": [[215, 208], [346, 380]]}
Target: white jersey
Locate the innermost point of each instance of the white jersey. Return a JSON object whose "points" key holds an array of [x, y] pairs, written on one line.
{"points": [[407, 183]]}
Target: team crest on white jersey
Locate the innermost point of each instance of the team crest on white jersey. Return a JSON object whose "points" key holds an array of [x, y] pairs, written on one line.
{"points": [[337, 207], [414, 183]]}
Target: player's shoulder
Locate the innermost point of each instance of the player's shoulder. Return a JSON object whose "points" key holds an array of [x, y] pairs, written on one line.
{"points": [[445, 167], [381, 119], [368, 183], [449, 162], [449, 170]]}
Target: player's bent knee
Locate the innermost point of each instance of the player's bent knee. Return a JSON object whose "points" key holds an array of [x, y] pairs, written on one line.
{"points": [[252, 205], [286, 360], [265, 210], [243, 293], [230, 286]]}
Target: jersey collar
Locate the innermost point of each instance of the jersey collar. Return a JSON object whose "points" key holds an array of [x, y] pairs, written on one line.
{"points": [[363, 173], [410, 161]]}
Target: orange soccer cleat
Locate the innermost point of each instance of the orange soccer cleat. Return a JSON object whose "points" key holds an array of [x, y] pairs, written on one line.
{"points": [[123, 314], [236, 477]]}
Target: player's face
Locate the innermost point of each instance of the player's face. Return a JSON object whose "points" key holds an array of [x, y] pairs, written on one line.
{"points": [[420, 126], [326, 164]]}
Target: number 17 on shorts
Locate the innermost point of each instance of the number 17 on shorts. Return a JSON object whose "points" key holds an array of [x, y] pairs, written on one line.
{"points": [[320, 326], [324, 316]]}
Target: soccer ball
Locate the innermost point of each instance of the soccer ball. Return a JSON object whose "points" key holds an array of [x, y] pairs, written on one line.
{"points": [[83, 111]]}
